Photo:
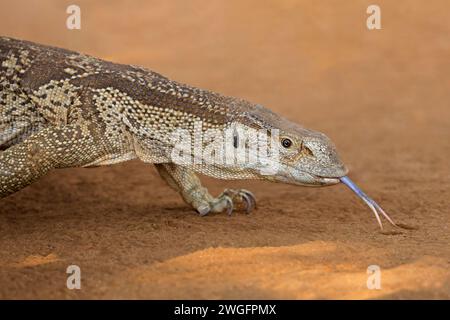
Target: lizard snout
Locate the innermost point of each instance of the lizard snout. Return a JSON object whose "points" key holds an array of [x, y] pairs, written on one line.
{"points": [[324, 161]]}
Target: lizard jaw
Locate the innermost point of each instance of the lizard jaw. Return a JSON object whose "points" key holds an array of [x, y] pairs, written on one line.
{"points": [[324, 181], [308, 179], [327, 181]]}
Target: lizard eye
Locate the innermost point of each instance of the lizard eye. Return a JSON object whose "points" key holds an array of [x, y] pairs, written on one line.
{"points": [[287, 143]]}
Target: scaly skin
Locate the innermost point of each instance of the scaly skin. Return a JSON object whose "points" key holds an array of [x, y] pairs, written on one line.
{"points": [[61, 109]]}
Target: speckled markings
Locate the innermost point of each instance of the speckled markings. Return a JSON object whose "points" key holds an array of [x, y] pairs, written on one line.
{"points": [[59, 109]]}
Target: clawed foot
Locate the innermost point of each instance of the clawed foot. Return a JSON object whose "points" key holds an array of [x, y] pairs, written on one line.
{"points": [[226, 201]]}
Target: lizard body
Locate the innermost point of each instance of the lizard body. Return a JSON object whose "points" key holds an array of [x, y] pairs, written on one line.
{"points": [[59, 109]]}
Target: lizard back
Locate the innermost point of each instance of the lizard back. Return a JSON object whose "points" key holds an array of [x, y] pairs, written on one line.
{"points": [[47, 86]]}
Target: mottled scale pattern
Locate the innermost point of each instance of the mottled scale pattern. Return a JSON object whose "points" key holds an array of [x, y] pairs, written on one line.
{"points": [[124, 111]]}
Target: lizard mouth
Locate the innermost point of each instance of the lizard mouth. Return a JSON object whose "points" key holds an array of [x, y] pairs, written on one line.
{"points": [[326, 181], [311, 180], [331, 177]]}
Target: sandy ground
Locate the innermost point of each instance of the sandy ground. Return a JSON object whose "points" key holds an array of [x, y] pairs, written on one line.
{"points": [[382, 96]]}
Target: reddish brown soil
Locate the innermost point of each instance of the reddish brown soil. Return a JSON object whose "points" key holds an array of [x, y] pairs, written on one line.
{"points": [[382, 96]]}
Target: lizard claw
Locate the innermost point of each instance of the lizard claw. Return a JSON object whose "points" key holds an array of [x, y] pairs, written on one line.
{"points": [[244, 196], [230, 206], [250, 201], [226, 201], [223, 202], [217, 205]]}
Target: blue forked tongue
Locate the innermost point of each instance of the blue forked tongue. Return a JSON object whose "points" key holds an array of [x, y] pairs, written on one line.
{"points": [[369, 201]]}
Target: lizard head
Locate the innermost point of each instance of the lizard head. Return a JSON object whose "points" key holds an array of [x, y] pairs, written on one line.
{"points": [[305, 157], [308, 158]]}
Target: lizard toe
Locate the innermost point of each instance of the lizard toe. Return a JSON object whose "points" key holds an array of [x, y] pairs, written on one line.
{"points": [[223, 202], [203, 209], [226, 201], [244, 196], [219, 204], [250, 201]]}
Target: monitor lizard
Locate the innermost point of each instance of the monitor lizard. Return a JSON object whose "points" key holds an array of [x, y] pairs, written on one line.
{"points": [[60, 109]]}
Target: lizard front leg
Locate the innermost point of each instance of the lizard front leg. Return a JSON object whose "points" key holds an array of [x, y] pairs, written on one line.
{"points": [[54, 147], [186, 182]]}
